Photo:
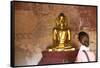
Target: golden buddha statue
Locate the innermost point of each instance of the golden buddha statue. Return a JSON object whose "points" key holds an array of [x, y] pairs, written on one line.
{"points": [[61, 35]]}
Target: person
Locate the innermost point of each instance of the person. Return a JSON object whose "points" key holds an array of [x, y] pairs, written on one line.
{"points": [[84, 54]]}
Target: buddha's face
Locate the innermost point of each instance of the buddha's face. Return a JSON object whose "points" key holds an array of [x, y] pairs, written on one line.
{"points": [[60, 21]]}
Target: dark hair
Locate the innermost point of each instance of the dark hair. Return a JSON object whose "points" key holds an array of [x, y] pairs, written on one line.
{"points": [[81, 35]]}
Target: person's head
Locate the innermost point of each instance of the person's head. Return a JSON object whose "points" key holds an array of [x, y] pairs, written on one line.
{"points": [[84, 38]]}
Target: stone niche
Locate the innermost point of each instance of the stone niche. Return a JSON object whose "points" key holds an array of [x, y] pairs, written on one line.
{"points": [[34, 23]]}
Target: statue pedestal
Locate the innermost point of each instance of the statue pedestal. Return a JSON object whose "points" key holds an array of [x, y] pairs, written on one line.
{"points": [[58, 57]]}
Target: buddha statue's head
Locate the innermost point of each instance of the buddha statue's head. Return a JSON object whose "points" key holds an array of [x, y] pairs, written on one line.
{"points": [[61, 21]]}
